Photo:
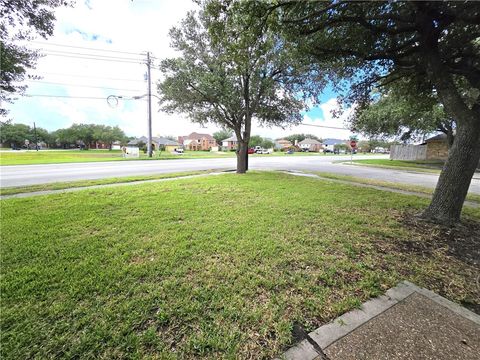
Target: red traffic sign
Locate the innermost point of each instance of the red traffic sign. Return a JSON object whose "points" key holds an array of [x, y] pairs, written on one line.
{"points": [[353, 144]]}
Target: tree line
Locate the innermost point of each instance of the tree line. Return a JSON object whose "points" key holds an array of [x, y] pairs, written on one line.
{"points": [[83, 135]]}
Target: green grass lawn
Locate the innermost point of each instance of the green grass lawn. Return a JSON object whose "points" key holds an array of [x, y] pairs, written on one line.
{"points": [[216, 267], [69, 156], [430, 166]]}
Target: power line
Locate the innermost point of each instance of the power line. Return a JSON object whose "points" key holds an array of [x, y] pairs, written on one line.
{"points": [[56, 52], [85, 48], [81, 85], [324, 126], [64, 96], [69, 97], [91, 77], [95, 58]]}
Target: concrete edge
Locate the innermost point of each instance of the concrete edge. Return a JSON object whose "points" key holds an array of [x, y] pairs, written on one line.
{"points": [[343, 325], [101, 186], [302, 351]]}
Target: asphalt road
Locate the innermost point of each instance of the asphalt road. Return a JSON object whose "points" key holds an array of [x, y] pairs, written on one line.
{"points": [[18, 175]]}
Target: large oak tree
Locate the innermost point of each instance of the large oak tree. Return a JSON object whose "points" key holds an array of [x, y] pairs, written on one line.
{"points": [[234, 68], [432, 45]]}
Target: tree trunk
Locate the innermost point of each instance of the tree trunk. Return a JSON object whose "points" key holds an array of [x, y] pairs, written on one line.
{"points": [[455, 178], [242, 153]]}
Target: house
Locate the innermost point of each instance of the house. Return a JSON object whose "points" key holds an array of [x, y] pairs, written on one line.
{"points": [[283, 144], [329, 144], [157, 143], [310, 145], [230, 143], [166, 144], [138, 141], [197, 142]]}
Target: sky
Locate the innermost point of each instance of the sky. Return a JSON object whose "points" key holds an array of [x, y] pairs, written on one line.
{"points": [[75, 90]]}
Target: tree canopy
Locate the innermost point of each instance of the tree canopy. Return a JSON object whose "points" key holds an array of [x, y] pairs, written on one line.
{"points": [[431, 46], [301, 137], [16, 134], [405, 118], [234, 68]]}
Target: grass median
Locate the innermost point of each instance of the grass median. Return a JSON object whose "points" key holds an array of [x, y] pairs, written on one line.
{"points": [[388, 184], [425, 166], [85, 183], [214, 267]]}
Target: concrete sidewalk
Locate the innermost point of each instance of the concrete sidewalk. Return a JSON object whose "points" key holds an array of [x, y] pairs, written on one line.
{"points": [[407, 322]]}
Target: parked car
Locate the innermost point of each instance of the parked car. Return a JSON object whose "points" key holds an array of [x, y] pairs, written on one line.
{"points": [[326, 151], [251, 151], [178, 151], [290, 151], [265, 151]]}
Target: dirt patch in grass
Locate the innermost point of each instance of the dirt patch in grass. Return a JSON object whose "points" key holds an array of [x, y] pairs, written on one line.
{"points": [[460, 241], [458, 245]]}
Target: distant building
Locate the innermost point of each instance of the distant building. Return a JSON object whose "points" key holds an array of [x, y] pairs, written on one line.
{"points": [[310, 145], [157, 143], [283, 144], [329, 144], [197, 142], [116, 145], [230, 143]]}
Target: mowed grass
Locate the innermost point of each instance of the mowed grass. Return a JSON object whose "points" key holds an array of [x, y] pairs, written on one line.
{"points": [[429, 166], [217, 267], [60, 156], [86, 183], [73, 156]]}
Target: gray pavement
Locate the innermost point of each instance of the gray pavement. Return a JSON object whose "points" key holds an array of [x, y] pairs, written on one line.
{"points": [[407, 322], [21, 175]]}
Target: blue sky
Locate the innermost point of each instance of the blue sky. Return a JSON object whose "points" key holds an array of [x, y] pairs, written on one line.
{"points": [[133, 28]]}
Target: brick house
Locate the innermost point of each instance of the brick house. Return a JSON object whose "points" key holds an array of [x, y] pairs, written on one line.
{"points": [[197, 142]]}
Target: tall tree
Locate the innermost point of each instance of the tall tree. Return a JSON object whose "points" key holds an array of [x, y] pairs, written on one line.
{"points": [[234, 68], [432, 46], [20, 21], [402, 118], [14, 134], [300, 137]]}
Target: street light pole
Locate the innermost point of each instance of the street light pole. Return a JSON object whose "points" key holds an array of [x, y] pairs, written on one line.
{"points": [[149, 94]]}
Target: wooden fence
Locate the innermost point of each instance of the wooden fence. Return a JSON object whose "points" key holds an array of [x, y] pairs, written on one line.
{"points": [[408, 152]]}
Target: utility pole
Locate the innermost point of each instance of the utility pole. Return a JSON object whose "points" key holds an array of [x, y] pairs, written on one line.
{"points": [[149, 94], [35, 133]]}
